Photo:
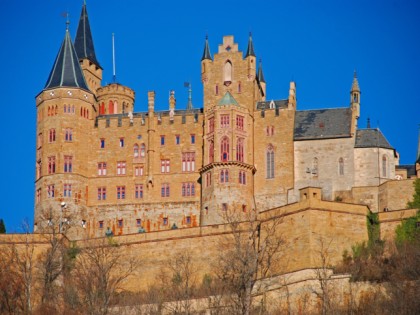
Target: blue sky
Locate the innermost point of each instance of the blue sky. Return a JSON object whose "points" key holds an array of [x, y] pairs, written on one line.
{"points": [[159, 45]]}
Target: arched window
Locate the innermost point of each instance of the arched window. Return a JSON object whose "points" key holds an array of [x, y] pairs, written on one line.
{"points": [[211, 151], [136, 150], [227, 71], [111, 107], [224, 149], [270, 161], [240, 150], [115, 107], [142, 150], [224, 176], [384, 166], [341, 166]]}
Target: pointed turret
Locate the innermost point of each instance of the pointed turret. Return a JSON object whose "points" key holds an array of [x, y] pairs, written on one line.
{"points": [[355, 102], [66, 71], [206, 53], [355, 85], [260, 73], [250, 51], [84, 41]]}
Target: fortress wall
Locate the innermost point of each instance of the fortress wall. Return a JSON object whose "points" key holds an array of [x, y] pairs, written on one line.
{"points": [[390, 220]]}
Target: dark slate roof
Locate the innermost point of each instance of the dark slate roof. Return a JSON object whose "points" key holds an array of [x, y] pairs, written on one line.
{"points": [[411, 169], [277, 104], [66, 71], [260, 74], [371, 138], [84, 42], [322, 124], [250, 51], [206, 52]]}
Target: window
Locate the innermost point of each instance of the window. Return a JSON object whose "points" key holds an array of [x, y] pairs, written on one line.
{"points": [[224, 121], [101, 224], [270, 161], [67, 190], [177, 139], [142, 150], [224, 206], [51, 137], [188, 219], [341, 166], [216, 90], [138, 191], [101, 193], [192, 139], [164, 192], [224, 149], [384, 166], [208, 179], [162, 140], [102, 143], [188, 161], [138, 222], [240, 150], [164, 166], [121, 142], [224, 176], [242, 177], [68, 164], [120, 223], [270, 130], [102, 168], [188, 189], [228, 72], [136, 150], [315, 166], [68, 134], [120, 192], [38, 195], [211, 151], [138, 171], [51, 164], [239, 87], [240, 122], [121, 168], [165, 221], [50, 191], [211, 124]]}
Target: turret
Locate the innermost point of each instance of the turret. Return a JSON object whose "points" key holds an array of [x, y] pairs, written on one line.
{"points": [[206, 59], [292, 96], [355, 102], [85, 50], [261, 80], [251, 59]]}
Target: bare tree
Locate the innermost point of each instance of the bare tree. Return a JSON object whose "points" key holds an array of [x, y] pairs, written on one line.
{"points": [[99, 273], [251, 252]]}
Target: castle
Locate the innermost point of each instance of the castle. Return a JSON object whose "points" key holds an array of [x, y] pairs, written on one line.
{"points": [[119, 172]]}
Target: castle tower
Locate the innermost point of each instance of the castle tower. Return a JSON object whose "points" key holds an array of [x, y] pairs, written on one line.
{"points": [[65, 111], [85, 50], [231, 91], [355, 102]]}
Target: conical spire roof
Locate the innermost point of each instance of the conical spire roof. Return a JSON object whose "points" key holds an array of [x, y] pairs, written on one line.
{"points": [[84, 42], [206, 53], [66, 71], [355, 85], [260, 74], [250, 51]]}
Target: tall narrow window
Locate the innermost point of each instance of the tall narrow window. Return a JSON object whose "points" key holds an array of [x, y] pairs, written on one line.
{"points": [[111, 107], [240, 122], [240, 150], [188, 189], [188, 161], [142, 150], [224, 149], [50, 191], [138, 171], [270, 161], [224, 121], [136, 150], [121, 142], [341, 166], [227, 72], [224, 176], [67, 190], [211, 151], [192, 139], [120, 192], [164, 191], [101, 193], [51, 137], [102, 143], [177, 139], [38, 195], [162, 140], [68, 164], [384, 166], [211, 124], [242, 177], [68, 134]]}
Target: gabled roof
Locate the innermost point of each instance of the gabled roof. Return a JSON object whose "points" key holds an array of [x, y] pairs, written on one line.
{"points": [[66, 71], [272, 104], [322, 124], [228, 99], [371, 138], [84, 42], [206, 52]]}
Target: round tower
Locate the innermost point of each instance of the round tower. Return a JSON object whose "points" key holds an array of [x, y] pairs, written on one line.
{"points": [[115, 98]]}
